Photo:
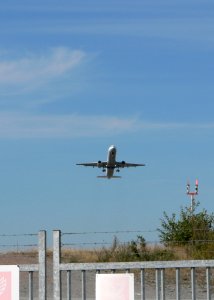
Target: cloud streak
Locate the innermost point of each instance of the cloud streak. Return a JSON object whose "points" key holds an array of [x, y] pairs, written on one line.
{"points": [[187, 28], [37, 68], [25, 126], [17, 125]]}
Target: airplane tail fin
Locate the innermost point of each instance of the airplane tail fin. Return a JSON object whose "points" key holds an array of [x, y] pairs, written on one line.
{"points": [[108, 177]]}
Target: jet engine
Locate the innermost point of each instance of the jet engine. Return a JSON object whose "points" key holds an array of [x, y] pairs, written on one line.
{"points": [[99, 164], [123, 164]]}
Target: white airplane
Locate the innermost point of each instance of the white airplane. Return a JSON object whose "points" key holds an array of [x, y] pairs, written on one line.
{"points": [[110, 165]]}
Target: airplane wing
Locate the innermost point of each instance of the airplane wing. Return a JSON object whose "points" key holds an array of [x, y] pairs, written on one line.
{"points": [[124, 164], [99, 164]]}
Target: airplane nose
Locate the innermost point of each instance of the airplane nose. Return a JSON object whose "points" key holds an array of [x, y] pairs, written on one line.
{"points": [[112, 147], [112, 150]]}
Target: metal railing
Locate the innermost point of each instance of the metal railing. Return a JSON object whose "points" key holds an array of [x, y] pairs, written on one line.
{"points": [[155, 274], [159, 267], [40, 267]]}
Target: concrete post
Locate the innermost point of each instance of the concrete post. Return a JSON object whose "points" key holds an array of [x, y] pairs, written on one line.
{"points": [[42, 265], [56, 265]]}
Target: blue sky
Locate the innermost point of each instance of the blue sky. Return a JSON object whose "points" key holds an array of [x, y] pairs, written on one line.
{"points": [[78, 76]]}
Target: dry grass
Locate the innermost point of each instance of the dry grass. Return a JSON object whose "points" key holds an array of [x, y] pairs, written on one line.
{"points": [[78, 256], [119, 252], [18, 258]]}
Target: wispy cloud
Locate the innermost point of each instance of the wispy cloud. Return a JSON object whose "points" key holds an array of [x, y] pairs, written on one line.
{"points": [[165, 27], [167, 20], [37, 68], [17, 125], [39, 77], [186, 28]]}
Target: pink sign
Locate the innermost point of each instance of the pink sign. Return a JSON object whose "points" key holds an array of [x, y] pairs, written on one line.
{"points": [[5, 285], [115, 286], [9, 282]]}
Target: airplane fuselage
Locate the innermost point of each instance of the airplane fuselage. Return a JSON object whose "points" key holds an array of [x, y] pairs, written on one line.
{"points": [[111, 161]]}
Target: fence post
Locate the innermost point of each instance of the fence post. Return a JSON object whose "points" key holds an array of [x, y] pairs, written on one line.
{"points": [[42, 265], [56, 265]]}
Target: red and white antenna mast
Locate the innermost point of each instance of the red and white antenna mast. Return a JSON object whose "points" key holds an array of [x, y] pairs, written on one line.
{"points": [[192, 194]]}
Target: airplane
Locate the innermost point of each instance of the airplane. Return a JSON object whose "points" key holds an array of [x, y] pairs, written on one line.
{"points": [[110, 165]]}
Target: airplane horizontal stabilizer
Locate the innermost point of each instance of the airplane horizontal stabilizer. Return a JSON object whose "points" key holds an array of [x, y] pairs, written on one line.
{"points": [[108, 177]]}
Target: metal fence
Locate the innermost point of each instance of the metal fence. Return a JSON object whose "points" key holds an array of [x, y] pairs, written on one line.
{"points": [[33, 275], [40, 267], [159, 268], [160, 280]]}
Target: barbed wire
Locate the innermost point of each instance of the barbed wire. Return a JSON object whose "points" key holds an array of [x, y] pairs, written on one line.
{"points": [[108, 232], [17, 241], [86, 243], [170, 243], [114, 234], [18, 234], [17, 245], [97, 242]]}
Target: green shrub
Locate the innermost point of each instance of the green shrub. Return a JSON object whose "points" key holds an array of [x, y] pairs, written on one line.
{"points": [[193, 231]]}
